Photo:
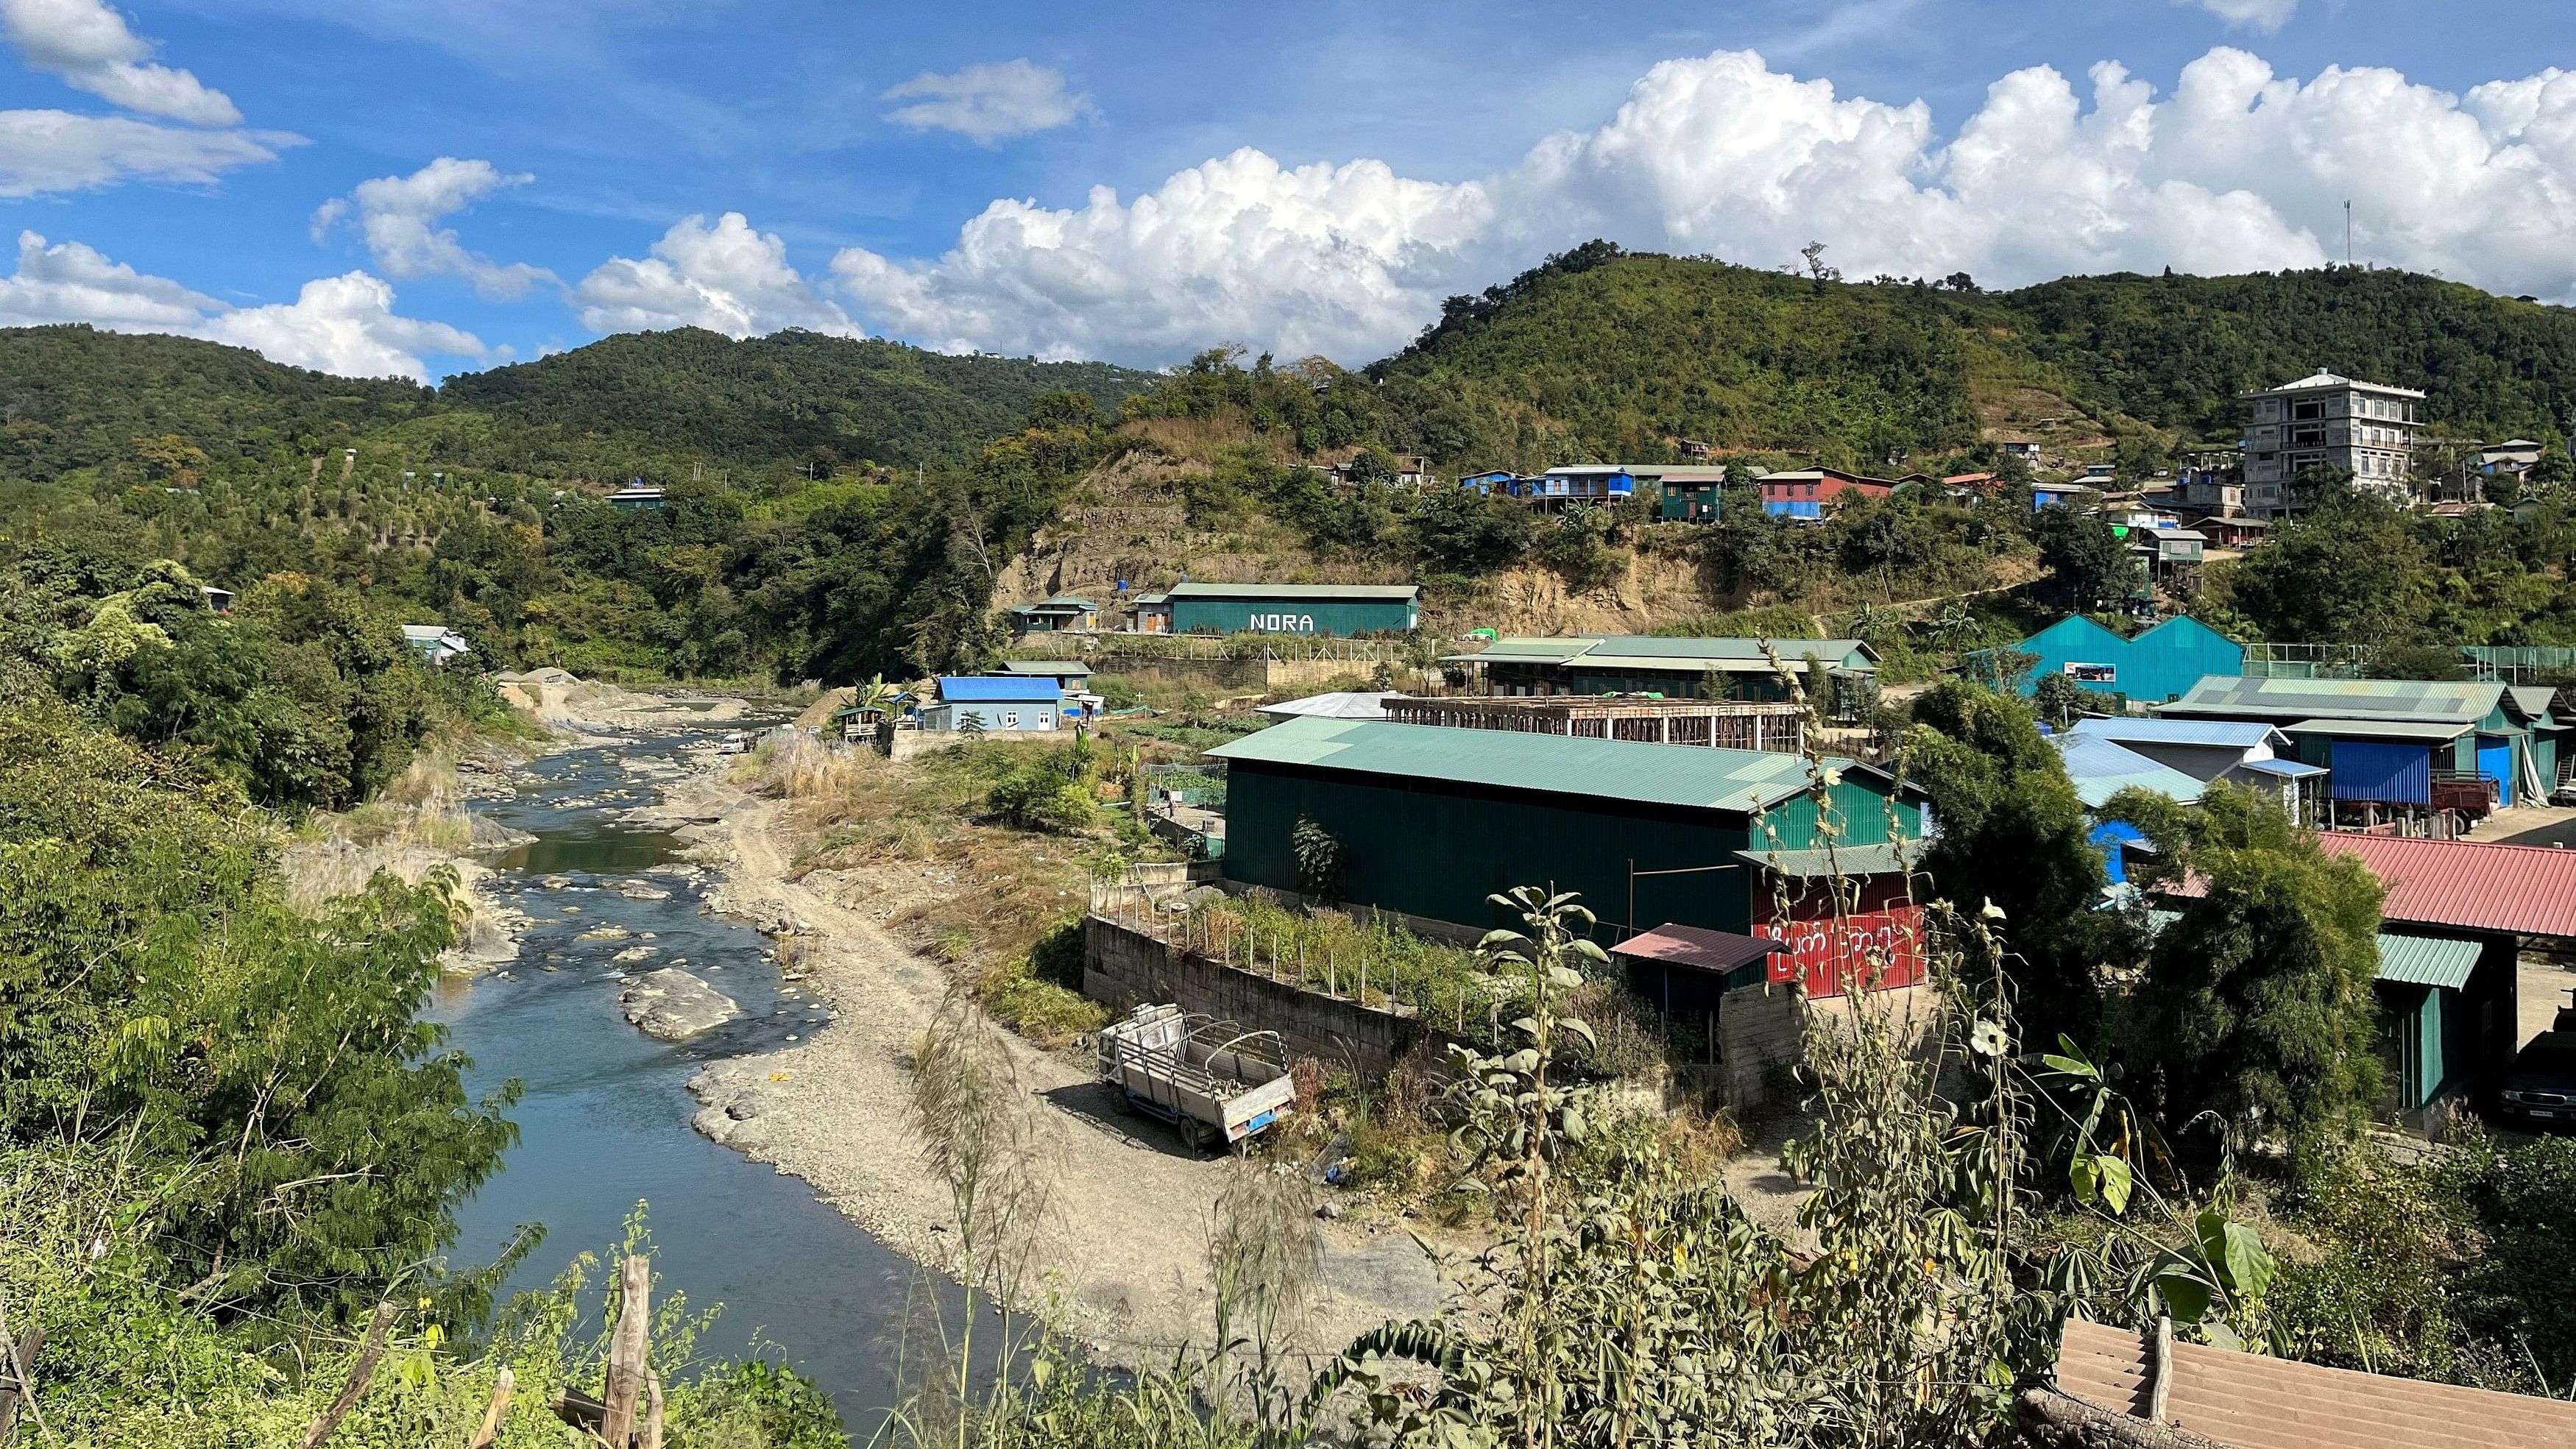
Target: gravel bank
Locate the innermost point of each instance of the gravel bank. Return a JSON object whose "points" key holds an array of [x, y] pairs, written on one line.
{"points": [[1126, 1242]]}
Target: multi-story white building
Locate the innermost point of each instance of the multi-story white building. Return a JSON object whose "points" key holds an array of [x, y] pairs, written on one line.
{"points": [[2325, 421]]}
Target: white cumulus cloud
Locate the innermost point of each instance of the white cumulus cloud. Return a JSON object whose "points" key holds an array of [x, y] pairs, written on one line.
{"points": [[2263, 15], [725, 277], [87, 44], [51, 150], [2235, 169], [345, 324], [1315, 259], [398, 216], [988, 102]]}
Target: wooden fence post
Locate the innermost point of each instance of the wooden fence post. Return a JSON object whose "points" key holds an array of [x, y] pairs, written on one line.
{"points": [[626, 1351], [500, 1405], [371, 1351]]}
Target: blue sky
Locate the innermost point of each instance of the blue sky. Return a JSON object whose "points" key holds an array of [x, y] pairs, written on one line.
{"points": [[1300, 177]]}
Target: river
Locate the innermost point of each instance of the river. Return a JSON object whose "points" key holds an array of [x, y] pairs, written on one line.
{"points": [[604, 1121]]}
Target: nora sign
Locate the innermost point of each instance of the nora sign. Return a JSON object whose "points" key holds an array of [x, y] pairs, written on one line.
{"points": [[1280, 624]]}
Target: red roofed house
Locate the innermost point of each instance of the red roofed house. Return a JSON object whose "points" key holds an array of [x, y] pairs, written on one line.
{"points": [[1803, 494], [2518, 902]]}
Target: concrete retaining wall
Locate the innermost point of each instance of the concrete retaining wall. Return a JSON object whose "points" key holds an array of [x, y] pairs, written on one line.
{"points": [[1124, 968], [904, 744]]}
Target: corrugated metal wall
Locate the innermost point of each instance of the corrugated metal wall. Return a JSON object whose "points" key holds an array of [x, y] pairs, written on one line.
{"points": [[1439, 853], [2399, 774], [1263, 616]]}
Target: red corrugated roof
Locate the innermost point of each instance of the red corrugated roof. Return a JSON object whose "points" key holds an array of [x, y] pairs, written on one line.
{"points": [[2248, 1401], [1697, 946], [2526, 889]]}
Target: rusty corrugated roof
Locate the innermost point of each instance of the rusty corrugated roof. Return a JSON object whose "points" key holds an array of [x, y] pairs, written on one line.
{"points": [[1698, 947], [2248, 1401], [2529, 890]]}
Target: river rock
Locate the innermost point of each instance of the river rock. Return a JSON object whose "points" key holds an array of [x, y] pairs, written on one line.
{"points": [[556, 882], [637, 953], [485, 835], [636, 890], [604, 933], [673, 1005], [742, 1134]]}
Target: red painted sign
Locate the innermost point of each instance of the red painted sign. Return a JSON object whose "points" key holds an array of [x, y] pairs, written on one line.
{"points": [[1868, 949]]}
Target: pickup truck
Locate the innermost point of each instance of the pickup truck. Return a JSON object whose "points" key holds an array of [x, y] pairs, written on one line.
{"points": [[1217, 1082]]}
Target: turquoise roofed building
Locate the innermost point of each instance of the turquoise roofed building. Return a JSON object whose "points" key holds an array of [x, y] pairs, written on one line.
{"points": [[2160, 664]]}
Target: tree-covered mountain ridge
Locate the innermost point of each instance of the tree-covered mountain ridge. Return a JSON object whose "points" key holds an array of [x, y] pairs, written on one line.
{"points": [[1600, 355], [687, 401]]}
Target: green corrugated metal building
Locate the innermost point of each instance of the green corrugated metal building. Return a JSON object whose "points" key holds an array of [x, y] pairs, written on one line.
{"points": [[1652, 664], [2428, 1038], [1431, 821], [1320, 609]]}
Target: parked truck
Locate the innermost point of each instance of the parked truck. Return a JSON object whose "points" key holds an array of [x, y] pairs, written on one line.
{"points": [[1216, 1081]]}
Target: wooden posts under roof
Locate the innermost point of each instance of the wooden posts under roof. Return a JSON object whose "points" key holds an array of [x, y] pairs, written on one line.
{"points": [[1719, 724]]}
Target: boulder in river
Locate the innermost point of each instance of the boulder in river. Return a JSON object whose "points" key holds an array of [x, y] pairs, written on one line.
{"points": [[637, 953], [604, 933], [636, 890], [486, 835], [673, 1005]]}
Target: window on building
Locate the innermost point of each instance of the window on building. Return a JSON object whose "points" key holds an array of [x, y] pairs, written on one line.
{"points": [[2307, 409]]}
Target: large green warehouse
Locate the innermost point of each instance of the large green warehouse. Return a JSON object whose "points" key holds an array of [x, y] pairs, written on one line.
{"points": [[1336, 609], [1431, 821]]}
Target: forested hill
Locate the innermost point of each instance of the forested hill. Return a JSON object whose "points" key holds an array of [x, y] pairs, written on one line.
{"points": [[792, 396], [653, 403], [1600, 354], [74, 397]]}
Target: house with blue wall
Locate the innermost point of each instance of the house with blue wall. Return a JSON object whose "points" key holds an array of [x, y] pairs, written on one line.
{"points": [[2162, 663], [2398, 748], [1009, 702], [2100, 769]]}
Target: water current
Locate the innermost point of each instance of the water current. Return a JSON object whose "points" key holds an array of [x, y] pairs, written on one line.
{"points": [[604, 1121]]}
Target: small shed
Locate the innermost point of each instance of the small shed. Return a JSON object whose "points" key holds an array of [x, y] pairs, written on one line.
{"points": [[219, 600], [1153, 614], [1337, 610], [435, 643], [994, 702], [1686, 971], [1056, 615]]}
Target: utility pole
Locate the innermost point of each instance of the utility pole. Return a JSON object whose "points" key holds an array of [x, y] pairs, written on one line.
{"points": [[2347, 231]]}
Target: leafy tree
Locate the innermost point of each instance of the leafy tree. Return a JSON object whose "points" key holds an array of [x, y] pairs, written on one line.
{"points": [[2352, 570], [2257, 1004], [156, 990], [2014, 834], [2089, 566]]}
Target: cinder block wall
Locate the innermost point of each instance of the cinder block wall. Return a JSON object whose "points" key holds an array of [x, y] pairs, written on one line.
{"points": [[1123, 969]]}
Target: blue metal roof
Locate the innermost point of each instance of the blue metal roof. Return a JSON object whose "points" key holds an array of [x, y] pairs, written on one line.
{"points": [[2101, 769], [2230, 734], [996, 689], [2287, 769]]}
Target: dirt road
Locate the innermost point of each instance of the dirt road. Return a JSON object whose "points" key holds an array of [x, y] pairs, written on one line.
{"points": [[1125, 1246]]}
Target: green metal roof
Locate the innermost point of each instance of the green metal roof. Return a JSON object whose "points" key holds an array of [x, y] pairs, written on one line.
{"points": [[1059, 668], [2407, 960], [2379, 729], [2426, 960], [1060, 602], [1742, 781], [1881, 859], [2229, 696], [1359, 593], [1657, 653]]}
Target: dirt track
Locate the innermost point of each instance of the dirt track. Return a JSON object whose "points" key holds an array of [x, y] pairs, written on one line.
{"points": [[1124, 1248]]}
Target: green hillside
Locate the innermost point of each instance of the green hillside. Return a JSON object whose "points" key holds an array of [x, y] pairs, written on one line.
{"points": [[793, 397], [1599, 354], [74, 397]]}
